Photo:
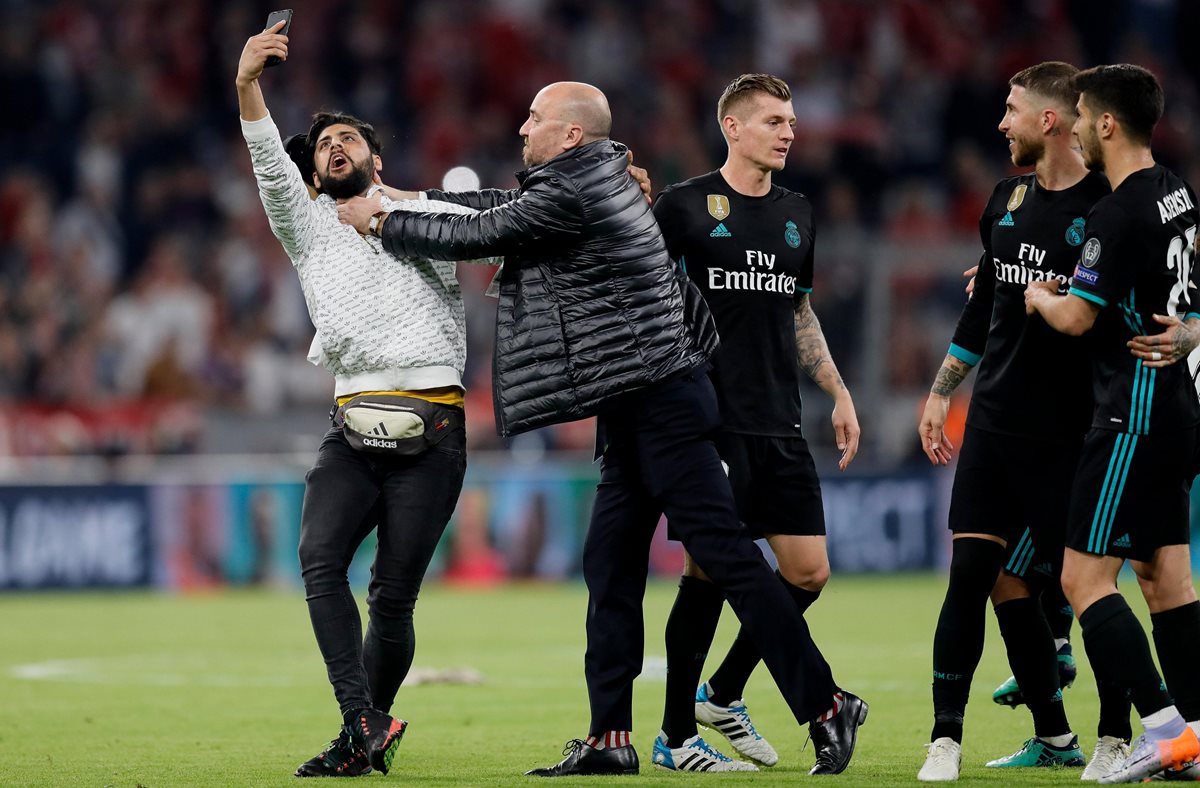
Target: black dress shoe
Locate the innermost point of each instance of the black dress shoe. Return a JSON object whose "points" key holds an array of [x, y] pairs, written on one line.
{"points": [[835, 737], [582, 758]]}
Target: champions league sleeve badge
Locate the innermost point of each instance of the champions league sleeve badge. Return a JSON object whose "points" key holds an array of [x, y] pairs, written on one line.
{"points": [[792, 235], [718, 206], [1017, 197], [1091, 253]]}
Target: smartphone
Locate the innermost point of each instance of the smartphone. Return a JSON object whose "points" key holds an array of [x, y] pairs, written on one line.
{"points": [[273, 19]]}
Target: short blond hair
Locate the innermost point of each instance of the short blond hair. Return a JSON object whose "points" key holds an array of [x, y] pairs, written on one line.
{"points": [[746, 87]]}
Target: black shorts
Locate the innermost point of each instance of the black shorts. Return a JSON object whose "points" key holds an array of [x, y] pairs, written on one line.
{"points": [[775, 484], [1131, 493], [1018, 489]]}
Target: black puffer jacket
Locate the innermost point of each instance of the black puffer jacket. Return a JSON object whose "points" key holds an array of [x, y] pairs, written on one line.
{"points": [[590, 306]]}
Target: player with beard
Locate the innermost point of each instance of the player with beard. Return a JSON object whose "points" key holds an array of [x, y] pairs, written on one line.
{"points": [[391, 329], [749, 246], [1129, 500], [1008, 507]]}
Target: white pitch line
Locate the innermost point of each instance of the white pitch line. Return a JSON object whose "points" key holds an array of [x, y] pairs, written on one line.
{"points": [[111, 671]]}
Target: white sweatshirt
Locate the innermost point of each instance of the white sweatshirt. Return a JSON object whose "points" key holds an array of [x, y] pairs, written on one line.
{"points": [[384, 323]]}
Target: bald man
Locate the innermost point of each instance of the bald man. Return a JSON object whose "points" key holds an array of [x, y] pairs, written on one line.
{"points": [[595, 319]]}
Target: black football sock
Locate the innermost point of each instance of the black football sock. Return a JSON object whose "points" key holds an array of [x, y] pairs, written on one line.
{"points": [[1031, 655], [691, 626], [1114, 711], [803, 598], [728, 683], [1058, 612], [958, 639], [1177, 641], [1120, 654]]}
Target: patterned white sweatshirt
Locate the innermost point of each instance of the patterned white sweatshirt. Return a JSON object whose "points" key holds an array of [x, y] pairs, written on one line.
{"points": [[383, 323]]}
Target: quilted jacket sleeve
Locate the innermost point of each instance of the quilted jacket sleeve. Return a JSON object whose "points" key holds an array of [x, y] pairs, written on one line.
{"points": [[547, 212], [479, 200]]}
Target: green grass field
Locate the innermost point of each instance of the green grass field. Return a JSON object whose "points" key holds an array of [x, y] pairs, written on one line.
{"points": [[129, 689]]}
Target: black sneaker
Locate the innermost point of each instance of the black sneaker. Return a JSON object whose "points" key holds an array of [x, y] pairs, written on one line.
{"points": [[835, 737], [342, 758], [582, 758], [379, 735]]}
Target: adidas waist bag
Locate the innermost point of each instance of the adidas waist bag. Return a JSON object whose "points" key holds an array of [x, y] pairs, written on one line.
{"points": [[383, 424]]}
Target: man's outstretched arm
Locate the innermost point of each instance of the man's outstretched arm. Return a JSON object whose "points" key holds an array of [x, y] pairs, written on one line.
{"points": [[251, 104]]}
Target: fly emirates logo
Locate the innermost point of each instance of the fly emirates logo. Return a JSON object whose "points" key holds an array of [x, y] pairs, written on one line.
{"points": [[761, 276], [1021, 274]]}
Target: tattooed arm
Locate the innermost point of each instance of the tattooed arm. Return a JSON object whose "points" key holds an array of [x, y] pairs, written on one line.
{"points": [[934, 442], [812, 352], [1177, 340]]}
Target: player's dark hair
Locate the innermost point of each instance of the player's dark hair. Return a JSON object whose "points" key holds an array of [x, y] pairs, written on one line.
{"points": [[1129, 93], [1051, 79], [747, 86], [323, 120]]}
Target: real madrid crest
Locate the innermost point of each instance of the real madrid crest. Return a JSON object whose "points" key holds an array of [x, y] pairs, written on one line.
{"points": [[1075, 231], [791, 235], [718, 206], [1017, 197]]}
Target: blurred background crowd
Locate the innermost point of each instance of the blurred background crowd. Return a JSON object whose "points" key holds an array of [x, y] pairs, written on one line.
{"points": [[146, 307]]}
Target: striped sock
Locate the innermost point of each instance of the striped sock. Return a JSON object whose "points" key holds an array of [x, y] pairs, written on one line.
{"points": [[838, 698], [608, 739]]}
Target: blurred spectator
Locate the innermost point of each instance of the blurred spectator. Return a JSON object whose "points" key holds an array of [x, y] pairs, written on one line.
{"points": [[135, 261]]}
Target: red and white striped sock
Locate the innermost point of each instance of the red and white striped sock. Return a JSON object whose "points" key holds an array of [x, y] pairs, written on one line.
{"points": [[609, 739], [838, 699]]}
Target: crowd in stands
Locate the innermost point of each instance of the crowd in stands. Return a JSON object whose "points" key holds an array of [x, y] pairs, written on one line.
{"points": [[136, 263]]}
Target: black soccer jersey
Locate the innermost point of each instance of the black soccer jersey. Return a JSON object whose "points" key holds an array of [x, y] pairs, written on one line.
{"points": [[1032, 380], [752, 258], [1137, 262]]}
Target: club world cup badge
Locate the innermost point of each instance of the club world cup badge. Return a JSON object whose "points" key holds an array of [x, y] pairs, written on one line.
{"points": [[792, 235], [1017, 197], [1075, 231], [718, 206]]}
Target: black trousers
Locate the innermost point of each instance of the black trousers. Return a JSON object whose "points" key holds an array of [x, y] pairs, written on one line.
{"points": [[658, 456], [347, 493]]}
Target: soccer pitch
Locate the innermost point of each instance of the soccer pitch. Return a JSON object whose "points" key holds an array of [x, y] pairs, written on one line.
{"points": [[144, 689]]}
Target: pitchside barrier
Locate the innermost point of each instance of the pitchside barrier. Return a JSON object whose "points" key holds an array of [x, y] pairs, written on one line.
{"points": [[196, 523]]}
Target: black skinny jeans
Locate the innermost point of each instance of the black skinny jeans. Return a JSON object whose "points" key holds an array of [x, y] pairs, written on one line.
{"points": [[347, 493]]}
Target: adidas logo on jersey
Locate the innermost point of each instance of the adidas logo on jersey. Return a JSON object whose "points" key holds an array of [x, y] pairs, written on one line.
{"points": [[1121, 541], [720, 232], [1007, 221]]}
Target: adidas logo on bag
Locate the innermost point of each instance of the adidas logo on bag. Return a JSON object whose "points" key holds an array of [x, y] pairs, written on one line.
{"points": [[380, 430], [375, 443]]}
